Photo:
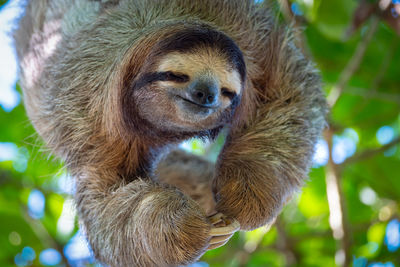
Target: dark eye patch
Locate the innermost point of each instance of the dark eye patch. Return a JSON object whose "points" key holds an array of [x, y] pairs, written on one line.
{"points": [[225, 92], [152, 77], [174, 77]]}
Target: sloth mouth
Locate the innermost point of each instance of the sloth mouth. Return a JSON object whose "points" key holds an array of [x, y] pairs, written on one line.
{"points": [[190, 102]]}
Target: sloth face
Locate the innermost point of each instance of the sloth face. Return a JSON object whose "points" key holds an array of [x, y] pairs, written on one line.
{"points": [[190, 91], [191, 81]]}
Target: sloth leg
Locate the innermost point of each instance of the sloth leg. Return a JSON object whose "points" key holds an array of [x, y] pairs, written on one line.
{"points": [[141, 223], [193, 175]]}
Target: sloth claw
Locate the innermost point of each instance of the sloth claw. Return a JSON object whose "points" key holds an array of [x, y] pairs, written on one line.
{"points": [[222, 230], [217, 245]]}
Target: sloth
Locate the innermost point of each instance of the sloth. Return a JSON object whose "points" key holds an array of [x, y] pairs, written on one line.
{"points": [[113, 87]]}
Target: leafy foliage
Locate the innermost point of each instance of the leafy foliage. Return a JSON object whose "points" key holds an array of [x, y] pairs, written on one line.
{"points": [[364, 163]]}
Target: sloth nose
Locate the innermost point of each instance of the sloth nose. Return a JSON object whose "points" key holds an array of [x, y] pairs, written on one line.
{"points": [[204, 92]]}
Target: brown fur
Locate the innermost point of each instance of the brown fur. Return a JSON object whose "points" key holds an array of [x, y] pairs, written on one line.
{"points": [[78, 60], [192, 175]]}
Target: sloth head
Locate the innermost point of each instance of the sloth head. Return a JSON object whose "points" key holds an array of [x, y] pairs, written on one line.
{"points": [[191, 81]]}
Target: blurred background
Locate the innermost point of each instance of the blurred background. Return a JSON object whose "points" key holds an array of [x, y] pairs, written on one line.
{"points": [[346, 215]]}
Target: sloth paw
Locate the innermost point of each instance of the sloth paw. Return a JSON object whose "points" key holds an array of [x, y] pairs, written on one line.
{"points": [[222, 230]]}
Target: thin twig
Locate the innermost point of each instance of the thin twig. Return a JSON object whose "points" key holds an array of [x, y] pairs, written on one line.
{"points": [[337, 209], [296, 23], [37, 226], [285, 9], [354, 63], [43, 235], [372, 94], [255, 246], [286, 244], [371, 152], [385, 64]]}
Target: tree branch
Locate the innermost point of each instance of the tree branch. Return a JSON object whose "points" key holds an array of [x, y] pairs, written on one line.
{"points": [[286, 244], [354, 63], [285, 9], [393, 98], [385, 64], [371, 152], [296, 23], [37, 226], [43, 235], [337, 208], [250, 248]]}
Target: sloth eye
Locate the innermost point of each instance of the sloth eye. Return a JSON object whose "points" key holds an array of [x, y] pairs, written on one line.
{"points": [[227, 93], [175, 77]]}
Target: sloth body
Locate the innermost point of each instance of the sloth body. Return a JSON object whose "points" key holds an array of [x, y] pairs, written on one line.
{"points": [[113, 86]]}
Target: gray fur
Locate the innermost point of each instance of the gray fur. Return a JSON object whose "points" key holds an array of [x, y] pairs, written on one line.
{"points": [[74, 55]]}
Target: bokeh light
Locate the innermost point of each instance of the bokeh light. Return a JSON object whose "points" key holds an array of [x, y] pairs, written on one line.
{"points": [[380, 264], [295, 7], [14, 238], [26, 257], [392, 237], [199, 264], [352, 134], [28, 254], [368, 196], [19, 156], [359, 262], [36, 203], [66, 222], [339, 257], [20, 163], [8, 151], [50, 257], [77, 251], [65, 184], [343, 147], [385, 135], [195, 146], [394, 12], [19, 261], [321, 154], [9, 97]]}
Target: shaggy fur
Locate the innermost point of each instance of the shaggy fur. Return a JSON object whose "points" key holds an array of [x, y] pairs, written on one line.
{"points": [[78, 58]]}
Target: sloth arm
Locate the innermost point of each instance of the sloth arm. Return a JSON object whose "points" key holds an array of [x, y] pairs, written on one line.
{"points": [[152, 223], [267, 159], [140, 222]]}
